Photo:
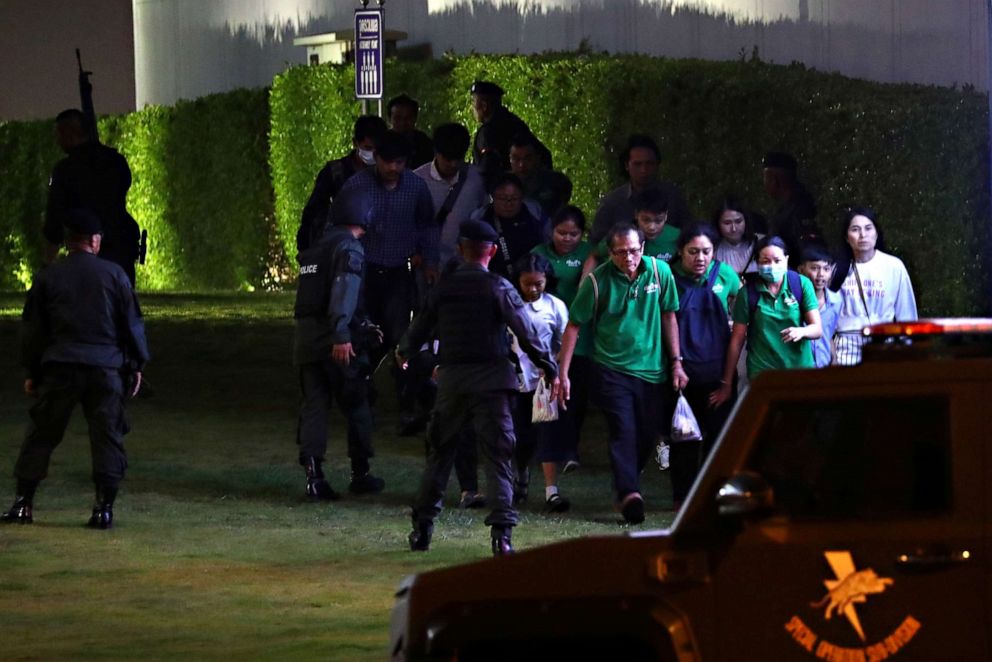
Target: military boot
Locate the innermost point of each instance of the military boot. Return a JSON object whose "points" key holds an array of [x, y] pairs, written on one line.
{"points": [[19, 513], [318, 489], [420, 537], [103, 509], [502, 545]]}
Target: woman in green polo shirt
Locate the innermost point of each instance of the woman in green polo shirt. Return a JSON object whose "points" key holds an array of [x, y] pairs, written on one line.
{"points": [[777, 315], [704, 285]]}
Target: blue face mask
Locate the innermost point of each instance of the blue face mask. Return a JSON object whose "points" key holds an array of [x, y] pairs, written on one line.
{"points": [[772, 273]]}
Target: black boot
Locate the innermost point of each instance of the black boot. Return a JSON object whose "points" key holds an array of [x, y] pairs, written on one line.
{"points": [[501, 542], [19, 513], [103, 510], [318, 489], [420, 537]]}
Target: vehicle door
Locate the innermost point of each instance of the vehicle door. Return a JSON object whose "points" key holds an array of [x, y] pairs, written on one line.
{"points": [[873, 549]]}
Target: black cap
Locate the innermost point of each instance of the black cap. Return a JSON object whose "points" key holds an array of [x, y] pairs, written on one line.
{"points": [[83, 222], [477, 231], [351, 207], [486, 88], [780, 160]]}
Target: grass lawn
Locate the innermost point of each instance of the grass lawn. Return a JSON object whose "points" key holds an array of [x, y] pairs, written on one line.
{"points": [[215, 554]]}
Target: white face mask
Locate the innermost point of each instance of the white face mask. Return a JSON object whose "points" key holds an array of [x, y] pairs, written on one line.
{"points": [[367, 156]]}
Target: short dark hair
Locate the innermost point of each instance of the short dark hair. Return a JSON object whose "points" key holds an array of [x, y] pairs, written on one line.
{"points": [[70, 114], [403, 100], [369, 126], [451, 140], [816, 253], [392, 146], [621, 229], [697, 229], [528, 139], [635, 141], [651, 199], [504, 179], [569, 213]]}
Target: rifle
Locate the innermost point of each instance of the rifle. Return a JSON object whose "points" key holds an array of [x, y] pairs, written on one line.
{"points": [[86, 100]]}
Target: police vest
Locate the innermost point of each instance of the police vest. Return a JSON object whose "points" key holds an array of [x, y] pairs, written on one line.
{"points": [[316, 275], [470, 326]]}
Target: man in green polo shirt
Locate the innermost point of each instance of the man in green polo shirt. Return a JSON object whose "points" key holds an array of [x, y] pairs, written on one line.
{"points": [[630, 302]]}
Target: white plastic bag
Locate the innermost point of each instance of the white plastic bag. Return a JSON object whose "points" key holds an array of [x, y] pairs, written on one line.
{"points": [[684, 424], [661, 454], [545, 409]]}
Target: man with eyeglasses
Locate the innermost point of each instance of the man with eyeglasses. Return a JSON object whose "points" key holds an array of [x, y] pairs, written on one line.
{"points": [[629, 302]]}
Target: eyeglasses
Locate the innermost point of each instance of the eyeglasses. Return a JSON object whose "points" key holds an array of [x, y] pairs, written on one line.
{"points": [[509, 199], [626, 252]]}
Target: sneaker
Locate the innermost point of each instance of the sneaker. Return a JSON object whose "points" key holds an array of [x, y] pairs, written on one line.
{"points": [[556, 503], [632, 508], [472, 499], [366, 484], [570, 466]]}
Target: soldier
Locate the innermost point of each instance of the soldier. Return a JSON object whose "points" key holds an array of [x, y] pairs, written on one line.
{"points": [[330, 348], [471, 309], [83, 341], [330, 179], [491, 148], [94, 177]]}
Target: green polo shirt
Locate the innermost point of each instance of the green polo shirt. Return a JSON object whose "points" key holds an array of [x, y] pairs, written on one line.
{"points": [[727, 282], [568, 271], [627, 317], [766, 349], [664, 246], [568, 268]]}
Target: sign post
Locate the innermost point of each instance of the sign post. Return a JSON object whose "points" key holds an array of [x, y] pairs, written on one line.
{"points": [[369, 33]]}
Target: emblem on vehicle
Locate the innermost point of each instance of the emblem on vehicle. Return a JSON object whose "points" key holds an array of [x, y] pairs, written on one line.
{"points": [[850, 587]]}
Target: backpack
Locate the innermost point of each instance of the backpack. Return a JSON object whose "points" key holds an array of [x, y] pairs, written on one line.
{"points": [[703, 330], [751, 286]]}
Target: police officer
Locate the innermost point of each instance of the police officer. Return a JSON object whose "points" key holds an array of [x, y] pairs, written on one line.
{"points": [[491, 147], [471, 308], [94, 177], [330, 349], [83, 341]]}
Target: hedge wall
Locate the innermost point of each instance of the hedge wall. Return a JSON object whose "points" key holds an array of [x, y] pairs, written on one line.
{"points": [[917, 154], [201, 188]]}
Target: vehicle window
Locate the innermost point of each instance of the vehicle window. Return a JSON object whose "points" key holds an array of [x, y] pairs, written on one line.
{"points": [[859, 458]]}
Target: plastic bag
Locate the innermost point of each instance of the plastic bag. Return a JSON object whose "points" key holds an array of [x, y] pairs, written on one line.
{"points": [[684, 424], [545, 408], [661, 454]]}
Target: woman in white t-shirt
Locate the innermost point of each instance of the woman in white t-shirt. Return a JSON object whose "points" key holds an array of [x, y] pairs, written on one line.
{"points": [[874, 285]]}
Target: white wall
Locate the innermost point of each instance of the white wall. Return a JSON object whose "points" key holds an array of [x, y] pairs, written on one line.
{"points": [[187, 48]]}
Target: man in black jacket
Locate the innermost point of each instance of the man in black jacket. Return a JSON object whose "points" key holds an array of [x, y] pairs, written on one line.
{"points": [[470, 309], [491, 147], [83, 341], [330, 349]]}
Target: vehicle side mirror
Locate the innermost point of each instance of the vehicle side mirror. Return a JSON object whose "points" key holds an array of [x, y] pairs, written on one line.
{"points": [[745, 493]]}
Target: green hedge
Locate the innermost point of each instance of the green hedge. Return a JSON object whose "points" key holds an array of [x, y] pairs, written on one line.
{"points": [[917, 154], [201, 188]]}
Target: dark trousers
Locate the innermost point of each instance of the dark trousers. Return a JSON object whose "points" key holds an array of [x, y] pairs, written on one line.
{"points": [[687, 457], [561, 444], [527, 434], [489, 414], [323, 382], [389, 297], [100, 391], [630, 406]]}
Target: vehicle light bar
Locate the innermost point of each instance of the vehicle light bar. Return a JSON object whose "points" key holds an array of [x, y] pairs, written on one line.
{"points": [[931, 327]]}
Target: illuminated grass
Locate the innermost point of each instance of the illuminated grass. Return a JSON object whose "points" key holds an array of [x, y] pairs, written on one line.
{"points": [[215, 554]]}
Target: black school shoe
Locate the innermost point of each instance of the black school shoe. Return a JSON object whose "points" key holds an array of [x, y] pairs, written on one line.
{"points": [[556, 503], [420, 537], [632, 508]]}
